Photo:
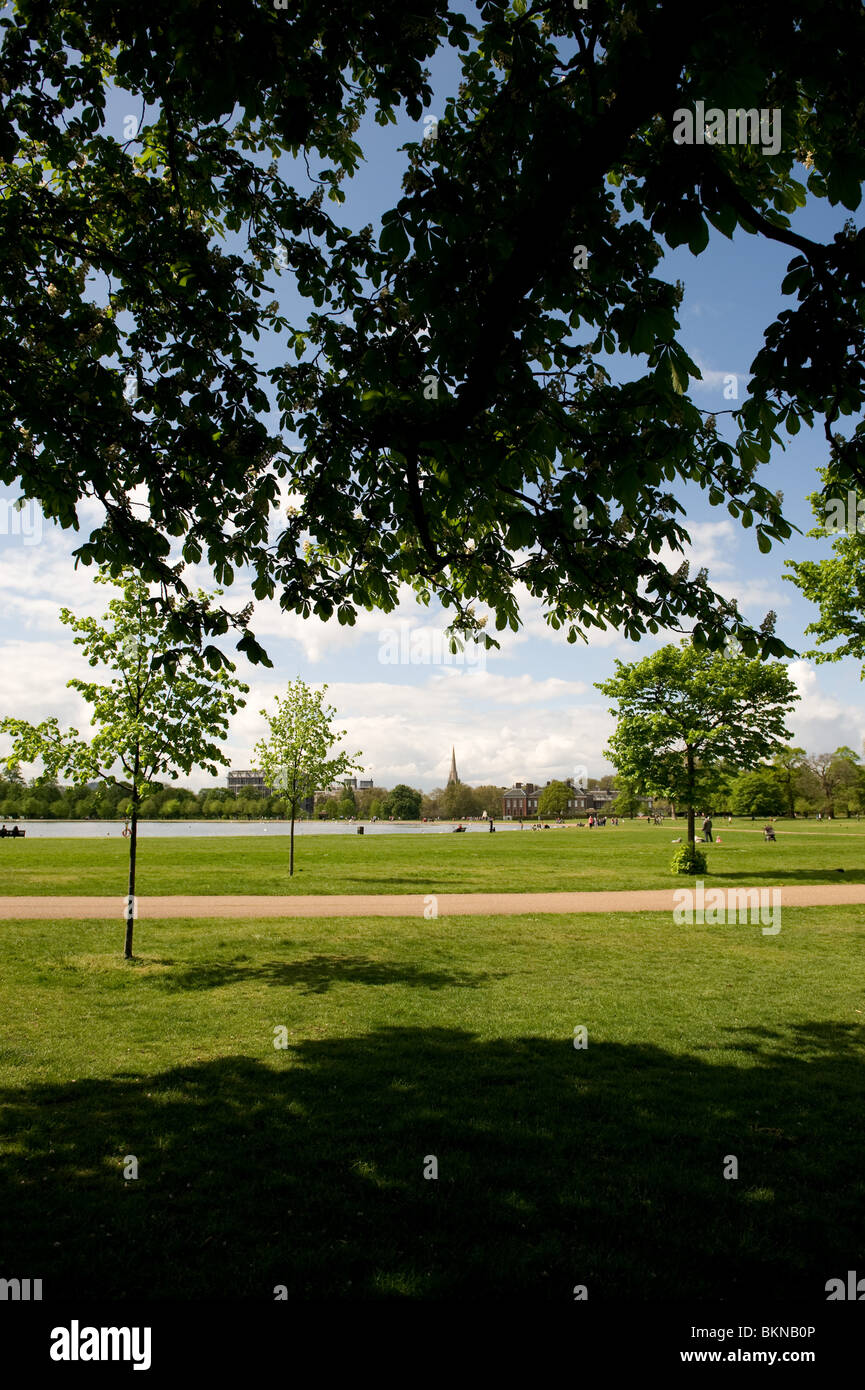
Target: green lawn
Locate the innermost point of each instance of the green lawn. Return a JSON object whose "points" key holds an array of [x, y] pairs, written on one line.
{"points": [[451, 1038], [628, 856]]}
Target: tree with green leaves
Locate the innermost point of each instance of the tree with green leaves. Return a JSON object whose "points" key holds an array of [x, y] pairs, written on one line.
{"points": [[297, 758], [159, 713], [786, 766], [554, 799], [758, 793], [489, 798], [628, 801], [403, 803], [836, 583], [364, 798], [431, 803], [457, 800], [835, 776], [684, 711], [472, 396]]}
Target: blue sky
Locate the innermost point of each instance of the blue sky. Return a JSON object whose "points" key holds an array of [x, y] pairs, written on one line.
{"points": [[528, 712]]}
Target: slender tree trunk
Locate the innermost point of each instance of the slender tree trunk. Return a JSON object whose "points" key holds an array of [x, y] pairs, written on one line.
{"points": [[691, 835], [130, 896], [291, 850]]}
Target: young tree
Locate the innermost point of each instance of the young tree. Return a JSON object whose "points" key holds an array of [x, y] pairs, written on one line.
{"points": [[448, 377], [296, 759], [683, 711], [162, 711]]}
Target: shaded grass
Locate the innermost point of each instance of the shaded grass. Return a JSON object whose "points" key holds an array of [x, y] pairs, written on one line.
{"points": [[303, 1166], [624, 857]]}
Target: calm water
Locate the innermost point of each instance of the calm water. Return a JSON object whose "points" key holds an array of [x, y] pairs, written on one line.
{"points": [[82, 829]]}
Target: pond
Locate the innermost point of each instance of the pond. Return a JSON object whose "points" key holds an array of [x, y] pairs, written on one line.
{"points": [[97, 829]]}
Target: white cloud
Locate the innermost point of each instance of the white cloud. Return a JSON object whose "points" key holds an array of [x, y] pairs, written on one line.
{"points": [[716, 381], [33, 678], [503, 727], [820, 722]]}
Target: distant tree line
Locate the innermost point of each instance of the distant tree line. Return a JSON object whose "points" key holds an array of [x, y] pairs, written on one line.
{"points": [[793, 783]]}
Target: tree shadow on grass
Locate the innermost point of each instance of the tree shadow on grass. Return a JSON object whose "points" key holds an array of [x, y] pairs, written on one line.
{"points": [[556, 1166], [319, 973], [770, 877]]}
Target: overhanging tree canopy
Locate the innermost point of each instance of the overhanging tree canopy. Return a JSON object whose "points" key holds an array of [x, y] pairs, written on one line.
{"points": [[447, 409]]}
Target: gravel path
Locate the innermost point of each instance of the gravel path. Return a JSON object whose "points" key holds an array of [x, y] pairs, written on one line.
{"points": [[397, 904]]}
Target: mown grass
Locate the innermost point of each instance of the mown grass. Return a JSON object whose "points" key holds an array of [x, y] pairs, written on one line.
{"points": [[627, 856], [408, 1038]]}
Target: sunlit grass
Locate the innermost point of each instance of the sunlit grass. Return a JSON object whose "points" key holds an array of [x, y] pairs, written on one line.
{"points": [[630, 856]]}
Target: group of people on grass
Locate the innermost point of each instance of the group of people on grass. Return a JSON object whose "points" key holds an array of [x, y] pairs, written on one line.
{"points": [[13, 834], [768, 831]]}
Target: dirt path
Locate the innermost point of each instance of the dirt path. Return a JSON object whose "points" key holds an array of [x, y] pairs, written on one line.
{"points": [[398, 905]]}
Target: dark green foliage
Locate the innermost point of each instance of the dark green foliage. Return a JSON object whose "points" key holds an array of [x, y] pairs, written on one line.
{"points": [[444, 406], [403, 803], [688, 859]]}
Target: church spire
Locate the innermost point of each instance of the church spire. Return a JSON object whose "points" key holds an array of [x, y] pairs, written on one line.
{"points": [[453, 777]]}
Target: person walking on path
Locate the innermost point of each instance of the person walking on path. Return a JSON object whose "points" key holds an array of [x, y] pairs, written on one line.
{"points": [[707, 831]]}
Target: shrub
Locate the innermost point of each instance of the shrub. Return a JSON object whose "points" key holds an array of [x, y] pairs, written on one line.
{"points": [[688, 860]]}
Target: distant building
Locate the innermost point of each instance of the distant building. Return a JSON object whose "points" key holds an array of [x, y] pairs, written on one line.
{"points": [[249, 777], [453, 776], [338, 787], [521, 800]]}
